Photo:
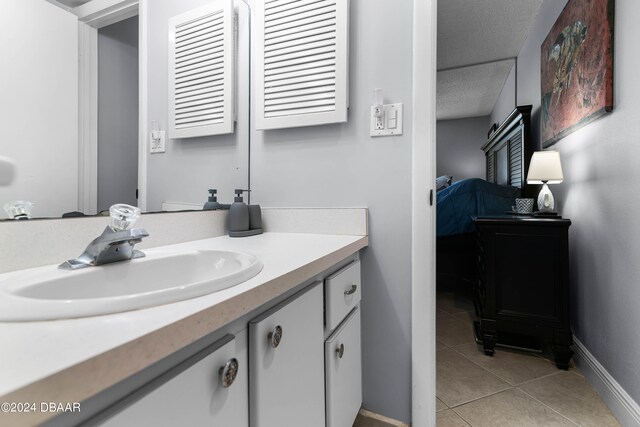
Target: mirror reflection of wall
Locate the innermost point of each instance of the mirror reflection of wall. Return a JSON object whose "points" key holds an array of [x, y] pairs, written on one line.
{"points": [[45, 111], [39, 108]]}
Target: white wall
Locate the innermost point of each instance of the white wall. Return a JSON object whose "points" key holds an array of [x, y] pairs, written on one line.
{"points": [[340, 165], [192, 165], [505, 103], [39, 104], [118, 113], [458, 144], [600, 196]]}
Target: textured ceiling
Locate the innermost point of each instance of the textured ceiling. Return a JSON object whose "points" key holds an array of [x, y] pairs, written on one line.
{"points": [[470, 91], [474, 32], [72, 3]]}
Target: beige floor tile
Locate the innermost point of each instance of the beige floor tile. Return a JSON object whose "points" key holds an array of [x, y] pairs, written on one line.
{"points": [[452, 302], [510, 408], [452, 332], [449, 418], [440, 406], [440, 346], [512, 366], [466, 316], [459, 380], [573, 397]]}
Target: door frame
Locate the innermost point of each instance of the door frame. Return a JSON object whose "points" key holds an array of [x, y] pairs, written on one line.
{"points": [[91, 17], [423, 279]]}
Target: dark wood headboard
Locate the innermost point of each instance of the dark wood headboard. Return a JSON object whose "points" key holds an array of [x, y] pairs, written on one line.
{"points": [[509, 149]]}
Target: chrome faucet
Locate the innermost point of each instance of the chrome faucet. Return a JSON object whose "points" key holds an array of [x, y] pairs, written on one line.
{"points": [[115, 243]]}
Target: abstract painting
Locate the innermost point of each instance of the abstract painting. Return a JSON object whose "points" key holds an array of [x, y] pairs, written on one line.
{"points": [[577, 69]]}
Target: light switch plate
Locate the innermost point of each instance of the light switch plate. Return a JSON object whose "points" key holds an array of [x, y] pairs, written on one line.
{"points": [[391, 121], [157, 144]]}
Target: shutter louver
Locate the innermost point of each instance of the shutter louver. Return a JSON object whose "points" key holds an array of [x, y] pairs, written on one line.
{"points": [[201, 71], [516, 172], [302, 63]]}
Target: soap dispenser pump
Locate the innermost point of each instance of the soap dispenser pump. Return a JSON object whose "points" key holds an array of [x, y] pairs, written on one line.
{"points": [[238, 216]]}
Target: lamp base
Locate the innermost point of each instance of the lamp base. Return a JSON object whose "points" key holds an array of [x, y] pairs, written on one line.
{"points": [[546, 203]]}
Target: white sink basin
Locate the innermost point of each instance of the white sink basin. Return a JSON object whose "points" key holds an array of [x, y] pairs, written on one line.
{"points": [[49, 293]]}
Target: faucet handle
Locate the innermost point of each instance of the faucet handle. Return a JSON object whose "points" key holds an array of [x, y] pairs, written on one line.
{"points": [[123, 216]]}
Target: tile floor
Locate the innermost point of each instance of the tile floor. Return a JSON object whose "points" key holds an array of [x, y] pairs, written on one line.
{"points": [[510, 389]]}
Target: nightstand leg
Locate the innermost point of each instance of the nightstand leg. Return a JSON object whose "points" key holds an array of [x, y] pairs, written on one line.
{"points": [[489, 338], [562, 342]]}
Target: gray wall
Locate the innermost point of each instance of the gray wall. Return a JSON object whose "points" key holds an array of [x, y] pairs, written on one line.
{"points": [[118, 113], [192, 165], [341, 165], [458, 144], [599, 195], [505, 103]]}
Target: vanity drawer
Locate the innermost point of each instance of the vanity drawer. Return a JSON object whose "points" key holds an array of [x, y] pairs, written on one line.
{"points": [[341, 294], [342, 355]]}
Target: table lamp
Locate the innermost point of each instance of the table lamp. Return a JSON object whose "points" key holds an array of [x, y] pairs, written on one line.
{"points": [[545, 168]]}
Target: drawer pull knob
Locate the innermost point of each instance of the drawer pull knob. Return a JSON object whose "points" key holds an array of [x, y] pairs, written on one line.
{"points": [[228, 372], [352, 290], [340, 351], [275, 336]]}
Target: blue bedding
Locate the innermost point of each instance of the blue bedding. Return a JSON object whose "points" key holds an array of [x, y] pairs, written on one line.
{"points": [[457, 204]]}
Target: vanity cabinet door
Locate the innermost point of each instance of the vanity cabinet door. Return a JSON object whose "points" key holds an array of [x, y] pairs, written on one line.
{"points": [[201, 395], [343, 372], [286, 360]]}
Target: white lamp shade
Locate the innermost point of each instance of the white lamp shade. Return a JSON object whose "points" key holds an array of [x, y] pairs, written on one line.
{"points": [[545, 167]]}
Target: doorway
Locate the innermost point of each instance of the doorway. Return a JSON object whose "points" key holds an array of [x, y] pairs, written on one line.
{"points": [[118, 114]]}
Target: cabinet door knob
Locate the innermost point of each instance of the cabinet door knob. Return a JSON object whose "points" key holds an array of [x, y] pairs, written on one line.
{"points": [[352, 290], [340, 351], [275, 336], [228, 372]]}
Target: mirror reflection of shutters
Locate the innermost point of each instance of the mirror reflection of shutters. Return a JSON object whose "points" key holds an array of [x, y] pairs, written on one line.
{"points": [[301, 63], [201, 71]]}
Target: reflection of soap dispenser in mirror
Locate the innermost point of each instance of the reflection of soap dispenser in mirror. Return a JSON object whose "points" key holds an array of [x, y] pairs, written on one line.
{"points": [[212, 204]]}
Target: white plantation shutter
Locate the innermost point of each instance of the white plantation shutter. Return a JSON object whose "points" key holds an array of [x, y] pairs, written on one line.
{"points": [[301, 62], [201, 71]]}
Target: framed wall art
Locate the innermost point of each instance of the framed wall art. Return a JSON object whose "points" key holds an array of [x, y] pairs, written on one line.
{"points": [[577, 69]]}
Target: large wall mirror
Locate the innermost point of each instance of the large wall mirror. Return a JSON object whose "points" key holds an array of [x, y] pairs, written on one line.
{"points": [[83, 83]]}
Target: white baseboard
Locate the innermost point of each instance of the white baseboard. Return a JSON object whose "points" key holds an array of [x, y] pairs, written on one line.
{"points": [[617, 399]]}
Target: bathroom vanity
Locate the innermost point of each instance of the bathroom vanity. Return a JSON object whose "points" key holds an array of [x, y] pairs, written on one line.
{"points": [[282, 348]]}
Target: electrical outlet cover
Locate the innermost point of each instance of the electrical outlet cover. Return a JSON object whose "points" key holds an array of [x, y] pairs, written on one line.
{"points": [[157, 145], [391, 122]]}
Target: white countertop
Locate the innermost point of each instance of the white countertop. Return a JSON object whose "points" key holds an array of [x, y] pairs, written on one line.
{"points": [[69, 360]]}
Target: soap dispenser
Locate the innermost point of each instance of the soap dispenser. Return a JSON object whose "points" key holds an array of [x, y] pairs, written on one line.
{"points": [[212, 204], [238, 216]]}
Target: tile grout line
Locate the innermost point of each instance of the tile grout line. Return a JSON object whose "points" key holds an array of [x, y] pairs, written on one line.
{"points": [[512, 385], [478, 398], [462, 418], [547, 406], [477, 364]]}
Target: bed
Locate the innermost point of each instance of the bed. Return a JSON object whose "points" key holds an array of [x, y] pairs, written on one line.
{"points": [[508, 152]]}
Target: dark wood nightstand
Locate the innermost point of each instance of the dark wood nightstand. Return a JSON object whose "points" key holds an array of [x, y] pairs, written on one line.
{"points": [[523, 286]]}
